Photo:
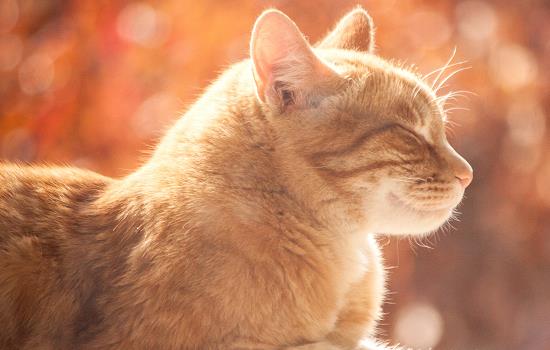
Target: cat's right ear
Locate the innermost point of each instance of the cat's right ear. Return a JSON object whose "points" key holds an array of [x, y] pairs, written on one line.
{"points": [[355, 31], [285, 67]]}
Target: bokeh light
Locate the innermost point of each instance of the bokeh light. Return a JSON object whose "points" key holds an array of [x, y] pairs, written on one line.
{"points": [[512, 66], [36, 74], [140, 23], [476, 20], [419, 325], [152, 113]]}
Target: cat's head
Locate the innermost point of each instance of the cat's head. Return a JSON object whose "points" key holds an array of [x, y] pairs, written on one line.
{"points": [[366, 130]]}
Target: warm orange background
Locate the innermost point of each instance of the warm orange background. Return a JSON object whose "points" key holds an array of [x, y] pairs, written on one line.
{"points": [[95, 83]]}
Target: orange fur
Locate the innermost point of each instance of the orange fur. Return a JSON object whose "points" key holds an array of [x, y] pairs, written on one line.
{"points": [[251, 227]]}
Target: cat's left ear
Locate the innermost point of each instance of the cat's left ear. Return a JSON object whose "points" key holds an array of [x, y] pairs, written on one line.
{"points": [[286, 70], [355, 31]]}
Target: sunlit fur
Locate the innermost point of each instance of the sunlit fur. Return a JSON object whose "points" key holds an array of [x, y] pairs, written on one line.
{"points": [[252, 225], [379, 147]]}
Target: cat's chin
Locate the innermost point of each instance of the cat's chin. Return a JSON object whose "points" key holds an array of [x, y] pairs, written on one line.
{"points": [[401, 218]]}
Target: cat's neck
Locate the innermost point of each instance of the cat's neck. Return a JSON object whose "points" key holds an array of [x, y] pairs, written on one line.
{"points": [[221, 160]]}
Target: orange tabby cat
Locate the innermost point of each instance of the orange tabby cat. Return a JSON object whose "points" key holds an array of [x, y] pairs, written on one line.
{"points": [[251, 227]]}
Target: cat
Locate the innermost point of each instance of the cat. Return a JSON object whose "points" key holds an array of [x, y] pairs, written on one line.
{"points": [[253, 224]]}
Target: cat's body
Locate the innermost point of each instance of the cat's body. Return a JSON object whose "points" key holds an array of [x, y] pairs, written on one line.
{"points": [[226, 238], [97, 258]]}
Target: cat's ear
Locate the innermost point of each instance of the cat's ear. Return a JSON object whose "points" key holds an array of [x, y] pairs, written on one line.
{"points": [[355, 31], [285, 67]]}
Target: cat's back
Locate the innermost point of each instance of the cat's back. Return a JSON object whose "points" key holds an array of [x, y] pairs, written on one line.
{"points": [[36, 199], [40, 213]]}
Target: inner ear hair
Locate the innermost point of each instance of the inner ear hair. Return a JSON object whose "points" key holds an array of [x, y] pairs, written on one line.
{"points": [[287, 97], [285, 94]]}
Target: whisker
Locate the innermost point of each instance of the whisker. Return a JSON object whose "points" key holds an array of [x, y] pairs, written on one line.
{"points": [[412, 245], [442, 70], [451, 95], [440, 85], [450, 131], [443, 101], [451, 123], [457, 109], [444, 67], [464, 91], [422, 241]]}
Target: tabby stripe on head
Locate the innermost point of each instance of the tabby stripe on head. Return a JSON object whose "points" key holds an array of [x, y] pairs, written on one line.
{"points": [[317, 158], [360, 141], [366, 168]]}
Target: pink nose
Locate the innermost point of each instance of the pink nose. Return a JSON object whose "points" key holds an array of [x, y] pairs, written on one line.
{"points": [[460, 167], [464, 173], [465, 180]]}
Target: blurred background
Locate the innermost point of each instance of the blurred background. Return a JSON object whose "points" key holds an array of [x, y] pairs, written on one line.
{"points": [[95, 83]]}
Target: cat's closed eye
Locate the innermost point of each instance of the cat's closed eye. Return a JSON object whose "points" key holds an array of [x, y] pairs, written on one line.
{"points": [[410, 137]]}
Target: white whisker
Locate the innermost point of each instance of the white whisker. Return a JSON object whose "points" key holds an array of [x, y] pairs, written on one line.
{"points": [[440, 85], [442, 70]]}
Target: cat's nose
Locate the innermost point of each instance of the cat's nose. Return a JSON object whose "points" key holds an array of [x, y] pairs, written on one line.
{"points": [[460, 168], [464, 174]]}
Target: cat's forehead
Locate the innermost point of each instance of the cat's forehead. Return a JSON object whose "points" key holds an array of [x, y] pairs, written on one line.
{"points": [[387, 92]]}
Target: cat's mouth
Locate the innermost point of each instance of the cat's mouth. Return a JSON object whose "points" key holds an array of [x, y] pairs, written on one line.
{"points": [[424, 210]]}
